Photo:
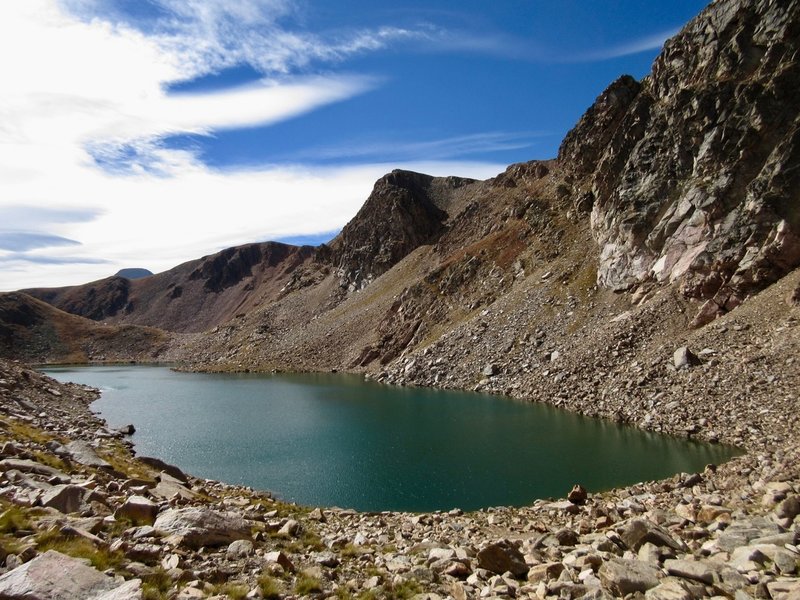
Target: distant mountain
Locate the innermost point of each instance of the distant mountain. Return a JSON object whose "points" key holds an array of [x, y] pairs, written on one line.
{"points": [[133, 273], [191, 297]]}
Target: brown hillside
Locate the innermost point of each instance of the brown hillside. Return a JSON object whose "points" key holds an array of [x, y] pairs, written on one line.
{"points": [[34, 331]]}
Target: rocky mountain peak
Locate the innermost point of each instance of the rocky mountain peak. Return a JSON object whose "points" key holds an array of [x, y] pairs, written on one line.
{"points": [[693, 173], [404, 211]]}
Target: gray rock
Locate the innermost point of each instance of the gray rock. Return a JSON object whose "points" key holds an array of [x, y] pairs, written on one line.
{"points": [[195, 526], [622, 577], [239, 549], [159, 464], [64, 498], [29, 466], [130, 590], [326, 559], [683, 358], [55, 576], [83, 454], [169, 487], [636, 532], [139, 510], [784, 590], [503, 556], [668, 589], [691, 569]]}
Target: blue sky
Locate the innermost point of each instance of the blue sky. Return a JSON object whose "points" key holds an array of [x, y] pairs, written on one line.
{"points": [[143, 133]]}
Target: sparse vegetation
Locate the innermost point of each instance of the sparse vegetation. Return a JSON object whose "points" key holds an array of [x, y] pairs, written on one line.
{"points": [[78, 547], [306, 584], [233, 590], [270, 587]]}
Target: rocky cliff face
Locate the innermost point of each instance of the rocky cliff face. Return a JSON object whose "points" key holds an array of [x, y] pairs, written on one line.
{"points": [[692, 175], [404, 211]]}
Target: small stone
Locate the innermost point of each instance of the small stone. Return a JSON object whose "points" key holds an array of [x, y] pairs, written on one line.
{"points": [[327, 559], [239, 549], [577, 495], [290, 528], [279, 558], [683, 358]]}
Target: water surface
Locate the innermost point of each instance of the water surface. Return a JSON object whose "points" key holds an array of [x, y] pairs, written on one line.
{"points": [[336, 440]]}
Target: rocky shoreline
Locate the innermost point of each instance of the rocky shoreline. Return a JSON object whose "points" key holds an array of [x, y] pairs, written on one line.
{"points": [[72, 488]]}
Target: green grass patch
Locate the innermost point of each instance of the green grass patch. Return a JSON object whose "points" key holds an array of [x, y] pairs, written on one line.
{"points": [[233, 590], [78, 547], [14, 519], [307, 584], [270, 587]]}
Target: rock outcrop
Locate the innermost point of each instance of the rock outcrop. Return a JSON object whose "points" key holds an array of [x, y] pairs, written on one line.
{"points": [[692, 174], [404, 211]]}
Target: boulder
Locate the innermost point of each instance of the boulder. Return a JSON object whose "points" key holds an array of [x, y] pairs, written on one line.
{"points": [[636, 532], [138, 509], [159, 464], [56, 576], [622, 577], [64, 498], [503, 556], [197, 526], [83, 454]]}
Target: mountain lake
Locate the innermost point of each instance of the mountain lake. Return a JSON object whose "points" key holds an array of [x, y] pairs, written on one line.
{"points": [[337, 440]]}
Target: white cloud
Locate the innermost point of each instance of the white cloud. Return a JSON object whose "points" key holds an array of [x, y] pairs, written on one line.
{"points": [[79, 85], [649, 42]]}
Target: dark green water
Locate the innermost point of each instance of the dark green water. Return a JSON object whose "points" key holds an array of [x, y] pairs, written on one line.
{"points": [[337, 440]]}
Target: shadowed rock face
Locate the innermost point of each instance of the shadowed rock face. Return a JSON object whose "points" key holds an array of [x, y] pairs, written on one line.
{"points": [[694, 172], [403, 212], [97, 300]]}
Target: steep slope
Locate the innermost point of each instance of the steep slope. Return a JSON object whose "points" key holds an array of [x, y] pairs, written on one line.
{"points": [[691, 175], [34, 331], [191, 297]]}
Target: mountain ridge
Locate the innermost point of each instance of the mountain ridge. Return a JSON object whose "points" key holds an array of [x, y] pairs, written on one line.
{"points": [[685, 182]]}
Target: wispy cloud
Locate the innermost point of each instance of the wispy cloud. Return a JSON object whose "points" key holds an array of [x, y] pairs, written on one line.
{"points": [[211, 35], [21, 241], [507, 46], [437, 149], [20, 258], [644, 44]]}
